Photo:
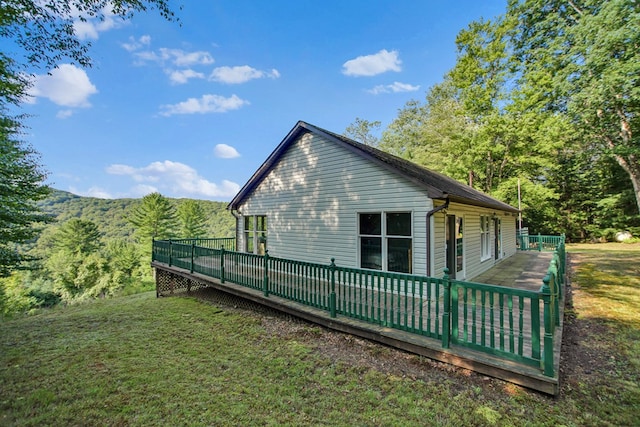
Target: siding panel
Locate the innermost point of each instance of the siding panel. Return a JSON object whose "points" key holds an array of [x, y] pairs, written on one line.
{"points": [[312, 196]]}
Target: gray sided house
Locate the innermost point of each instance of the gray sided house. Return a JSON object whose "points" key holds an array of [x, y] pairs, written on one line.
{"points": [[320, 196]]}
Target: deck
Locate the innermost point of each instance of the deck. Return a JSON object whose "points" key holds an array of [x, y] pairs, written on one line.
{"points": [[478, 322]]}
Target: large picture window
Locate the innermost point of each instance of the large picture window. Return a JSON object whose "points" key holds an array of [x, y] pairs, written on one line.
{"points": [[485, 234], [255, 234], [385, 240]]}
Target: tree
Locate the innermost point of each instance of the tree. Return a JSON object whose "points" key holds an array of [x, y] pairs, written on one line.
{"points": [[21, 186], [360, 131], [193, 219], [154, 217], [583, 58], [123, 256], [38, 34], [78, 237]]}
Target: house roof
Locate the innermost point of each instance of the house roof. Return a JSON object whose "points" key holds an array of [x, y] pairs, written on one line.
{"points": [[437, 185]]}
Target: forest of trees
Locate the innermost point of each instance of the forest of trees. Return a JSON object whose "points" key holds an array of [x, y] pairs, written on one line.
{"points": [[545, 98], [93, 247], [547, 94]]}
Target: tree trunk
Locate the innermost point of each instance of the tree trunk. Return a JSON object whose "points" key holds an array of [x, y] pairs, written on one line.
{"points": [[632, 167], [630, 162]]}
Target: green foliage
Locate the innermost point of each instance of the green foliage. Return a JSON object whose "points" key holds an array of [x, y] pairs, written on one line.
{"points": [[361, 129], [585, 56], [154, 218], [78, 237], [43, 34], [193, 219], [123, 256], [549, 94], [21, 186], [39, 34], [89, 250]]}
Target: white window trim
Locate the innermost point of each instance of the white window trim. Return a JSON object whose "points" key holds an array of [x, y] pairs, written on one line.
{"points": [[256, 233], [485, 237], [384, 236], [499, 238]]}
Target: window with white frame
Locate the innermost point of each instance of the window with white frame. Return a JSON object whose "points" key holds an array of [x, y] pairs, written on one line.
{"points": [[485, 234], [255, 234], [385, 240]]}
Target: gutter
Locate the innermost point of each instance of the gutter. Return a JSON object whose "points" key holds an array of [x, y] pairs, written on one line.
{"points": [[428, 235]]}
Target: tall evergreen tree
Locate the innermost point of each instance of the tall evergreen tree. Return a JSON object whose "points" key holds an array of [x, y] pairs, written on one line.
{"points": [[21, 186], [193, 219], [78, 237], [155, 218]]}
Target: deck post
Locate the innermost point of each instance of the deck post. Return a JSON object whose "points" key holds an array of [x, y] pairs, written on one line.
{"points": [[170, 252], [554, 288], [332, 295], [548, 327], [193, 250], [222, 264], [539, 242], [446, 321], [265, 282]]}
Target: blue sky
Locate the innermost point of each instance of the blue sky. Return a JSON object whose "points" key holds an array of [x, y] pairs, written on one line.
{"points": [[193, 109]]}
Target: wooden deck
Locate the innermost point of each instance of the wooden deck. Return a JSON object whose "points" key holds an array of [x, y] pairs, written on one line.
{"points": [[177, 280]]}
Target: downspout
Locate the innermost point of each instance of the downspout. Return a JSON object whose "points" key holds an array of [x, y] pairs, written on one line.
{"points": [[234, 212], [429, 215]]}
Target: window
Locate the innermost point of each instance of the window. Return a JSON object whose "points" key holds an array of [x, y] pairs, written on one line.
{"points": [[255, 234], [485, 234], [385, 241]]}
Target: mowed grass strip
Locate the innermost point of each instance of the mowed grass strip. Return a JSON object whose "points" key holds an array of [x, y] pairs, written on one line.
{"points": [[606, 305], [138, 360]]}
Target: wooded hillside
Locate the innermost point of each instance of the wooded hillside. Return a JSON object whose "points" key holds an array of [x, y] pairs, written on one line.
{"points": [[92, 248], [110, 215]]}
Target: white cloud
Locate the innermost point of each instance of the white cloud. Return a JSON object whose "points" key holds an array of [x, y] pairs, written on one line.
{"points": [[90, 27], [206, 104], [371, 65], [240, 74], [92, 192], [177, 178], [225, 151], [142, 190], [177, 57], [182, 76], [64, 114], [134, 44], [67, 86], [396, 87]]}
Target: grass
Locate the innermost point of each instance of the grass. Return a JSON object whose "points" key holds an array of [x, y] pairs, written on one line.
{"points": [[138, 360], [609, 293]]}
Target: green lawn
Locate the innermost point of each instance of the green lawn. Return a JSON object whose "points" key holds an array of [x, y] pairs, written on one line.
{"points": [[138, 360]]}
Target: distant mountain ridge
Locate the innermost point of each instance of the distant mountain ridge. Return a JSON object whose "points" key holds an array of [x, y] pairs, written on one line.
{"points": [[110, 215]]}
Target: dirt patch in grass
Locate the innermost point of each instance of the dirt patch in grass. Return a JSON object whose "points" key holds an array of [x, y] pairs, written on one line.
{"points": [[358, 353]]}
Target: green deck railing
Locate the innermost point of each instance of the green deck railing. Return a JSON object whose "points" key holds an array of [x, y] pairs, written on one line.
{"points": [[538, 242], [229, 243], [501, 321], [514, 324]]}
